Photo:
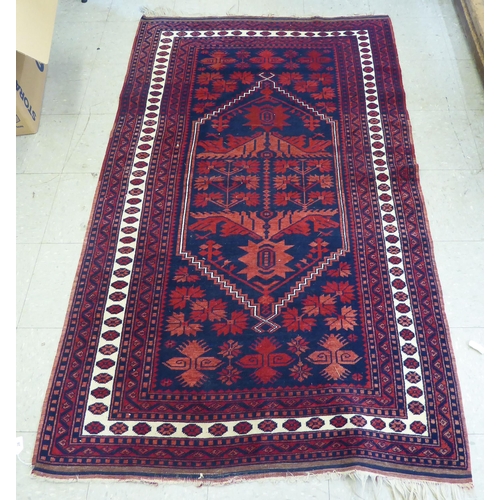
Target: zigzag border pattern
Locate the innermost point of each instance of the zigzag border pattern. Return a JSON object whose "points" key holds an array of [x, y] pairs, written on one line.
{"points": [[114, 319]]}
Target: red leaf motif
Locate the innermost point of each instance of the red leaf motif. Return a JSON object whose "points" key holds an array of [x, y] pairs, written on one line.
{"points": [[203, 94], [211, 310], [289, 78], [306, 86], [235, 325], [224, 86], [293, 321], [243, 76], [323, 304], [181, 295], [177, 325], [343, 290], [346, 320], [206, 78]]}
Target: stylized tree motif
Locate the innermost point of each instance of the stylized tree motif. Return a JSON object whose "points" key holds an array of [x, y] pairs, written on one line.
{"points": [[334, 357], [193, 363], [265, 360]]}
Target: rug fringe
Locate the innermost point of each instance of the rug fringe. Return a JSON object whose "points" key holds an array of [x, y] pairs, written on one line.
{"points": [[363, 484], [158, 12], [166, 12], [371, 485]]}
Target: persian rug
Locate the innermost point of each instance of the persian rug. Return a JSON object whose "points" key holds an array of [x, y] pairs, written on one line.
{"points": [[257, 294]]}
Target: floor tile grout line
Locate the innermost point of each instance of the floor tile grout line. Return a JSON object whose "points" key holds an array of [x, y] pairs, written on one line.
{"points": [[18, 320], [460, 79], [437, 240], [58, 328], [452, 327], [70, 150], [51, 173], [448, 35], [478, 149], [90, 76], [54, 243], [69, 153], [468, 327], [109, 10], [468, 170], [51, 208], [28, 432], [462, 240]]}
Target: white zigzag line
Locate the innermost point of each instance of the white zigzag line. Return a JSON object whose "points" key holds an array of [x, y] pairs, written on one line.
{"points": [[305, 281], [230, 103], [299, 101], [228, 286], [253, 89]]}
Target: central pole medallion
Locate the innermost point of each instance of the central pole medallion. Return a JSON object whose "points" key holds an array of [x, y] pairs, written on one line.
{"points": [[263, 207]]}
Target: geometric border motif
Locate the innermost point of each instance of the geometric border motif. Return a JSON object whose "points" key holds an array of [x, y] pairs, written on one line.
{"points": [[100, 395]]}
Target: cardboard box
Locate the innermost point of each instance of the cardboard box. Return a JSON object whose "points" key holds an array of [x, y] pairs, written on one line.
{"points": [[35, 21]]}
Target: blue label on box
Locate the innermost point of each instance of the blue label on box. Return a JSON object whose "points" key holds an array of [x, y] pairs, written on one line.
{"points": [[25, 100]]}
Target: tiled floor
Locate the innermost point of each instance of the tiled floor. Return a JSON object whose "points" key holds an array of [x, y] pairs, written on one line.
{"points": [[57, 172]]}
